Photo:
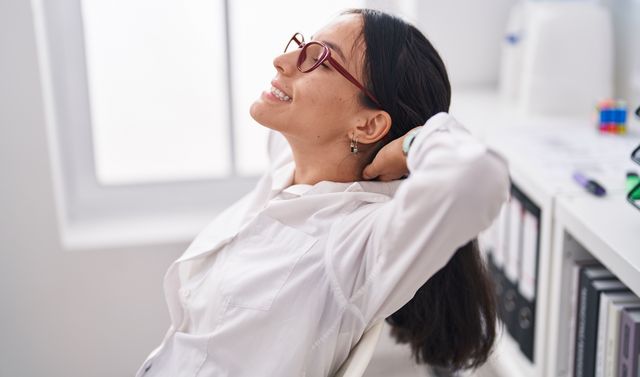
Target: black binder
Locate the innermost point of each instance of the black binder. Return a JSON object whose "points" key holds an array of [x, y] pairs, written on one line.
{"points": [[527, 284], [498, 281], [497, 259], [511, 273]]}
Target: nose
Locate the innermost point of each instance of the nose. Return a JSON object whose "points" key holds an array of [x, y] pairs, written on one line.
{"points": [[286, 63]]}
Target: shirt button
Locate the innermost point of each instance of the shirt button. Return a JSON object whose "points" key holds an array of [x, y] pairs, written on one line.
{"points": [[185, 292]]}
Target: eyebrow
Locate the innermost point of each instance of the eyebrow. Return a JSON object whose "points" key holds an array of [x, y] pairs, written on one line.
{"points": [[334, 47]]}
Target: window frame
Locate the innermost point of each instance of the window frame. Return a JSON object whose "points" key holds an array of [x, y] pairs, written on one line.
{"points": [[91, 215]]}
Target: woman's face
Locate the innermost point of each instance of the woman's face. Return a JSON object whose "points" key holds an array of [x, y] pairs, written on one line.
{"points": [[323, 106]]}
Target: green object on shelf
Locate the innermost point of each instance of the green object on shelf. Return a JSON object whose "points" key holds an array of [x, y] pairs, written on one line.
{"points": [[632, 182]]}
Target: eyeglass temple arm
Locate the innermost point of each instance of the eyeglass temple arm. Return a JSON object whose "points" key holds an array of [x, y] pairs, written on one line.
{"points": [[353, 80]]}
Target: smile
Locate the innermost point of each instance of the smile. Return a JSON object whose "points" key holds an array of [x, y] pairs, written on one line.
{"points": [[282, 96]]}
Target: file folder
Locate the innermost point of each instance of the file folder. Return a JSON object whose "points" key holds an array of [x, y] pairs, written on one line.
{"points": [[512, 268], [497, 259], [527, 281]]}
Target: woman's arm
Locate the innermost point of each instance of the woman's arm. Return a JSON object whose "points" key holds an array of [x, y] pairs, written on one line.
{"points": [[455, 189]]}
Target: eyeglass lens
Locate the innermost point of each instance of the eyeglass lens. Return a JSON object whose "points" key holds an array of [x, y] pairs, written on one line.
{"points": [[309, 56]]}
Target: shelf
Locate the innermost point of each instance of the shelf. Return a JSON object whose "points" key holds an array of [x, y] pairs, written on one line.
{"points": [[587, 227], [609, 228], [543, 153], [544, 175]]}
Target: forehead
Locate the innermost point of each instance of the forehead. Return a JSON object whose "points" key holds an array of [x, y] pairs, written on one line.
{"points": [[344, 32]]}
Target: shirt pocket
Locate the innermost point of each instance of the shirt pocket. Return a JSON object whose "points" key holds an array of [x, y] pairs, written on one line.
{"points": [[260, 261]]}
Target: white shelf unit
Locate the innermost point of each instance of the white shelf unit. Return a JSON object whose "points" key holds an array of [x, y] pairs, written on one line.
{"points": [[606, 229], [508, 360], [546, 181]]}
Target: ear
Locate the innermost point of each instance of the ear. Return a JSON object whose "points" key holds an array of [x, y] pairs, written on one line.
{"points": [[376, 125]]}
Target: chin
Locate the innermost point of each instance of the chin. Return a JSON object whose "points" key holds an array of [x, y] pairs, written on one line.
{"points": [[261, 115]]}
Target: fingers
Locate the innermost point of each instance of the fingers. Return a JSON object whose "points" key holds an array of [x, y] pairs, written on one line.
{"points": [[370, 171], [385, 170], [389, 177], [389, 164]]}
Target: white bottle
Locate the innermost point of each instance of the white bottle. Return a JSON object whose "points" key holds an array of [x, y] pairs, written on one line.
{"points": [[512, 50]]}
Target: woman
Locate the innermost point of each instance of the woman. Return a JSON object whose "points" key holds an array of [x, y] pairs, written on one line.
{"points": [[330, 242]]}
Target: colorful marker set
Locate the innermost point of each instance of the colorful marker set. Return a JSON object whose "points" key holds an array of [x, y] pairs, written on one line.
{"points": [[612, 116]]}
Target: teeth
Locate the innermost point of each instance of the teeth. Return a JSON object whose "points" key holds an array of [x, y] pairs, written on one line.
{"points": [[281, 96]]}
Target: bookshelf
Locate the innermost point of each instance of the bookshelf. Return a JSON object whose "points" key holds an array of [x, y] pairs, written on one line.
{"points": [[606, 229], [542, 153]]}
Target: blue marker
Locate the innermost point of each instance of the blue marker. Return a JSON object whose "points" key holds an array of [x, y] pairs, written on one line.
{"points": [[589, 184]]}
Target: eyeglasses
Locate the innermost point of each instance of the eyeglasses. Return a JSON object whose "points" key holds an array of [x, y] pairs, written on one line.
{"points": [[314, 54], [633, 196]]}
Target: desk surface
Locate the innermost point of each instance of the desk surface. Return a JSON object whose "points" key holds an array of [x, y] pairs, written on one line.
{"points": [[548, 149], [609, 228], [552, 151]]}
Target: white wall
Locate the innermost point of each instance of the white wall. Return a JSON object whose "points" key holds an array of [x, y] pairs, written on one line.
{"points": [[62, 313], [467, 34], [626, 27]]}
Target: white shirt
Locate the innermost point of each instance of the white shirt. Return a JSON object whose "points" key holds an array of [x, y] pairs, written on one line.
{"points": [[286, 280]]}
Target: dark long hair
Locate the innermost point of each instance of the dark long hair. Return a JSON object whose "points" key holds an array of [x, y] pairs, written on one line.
{"points": [[451, 320]]}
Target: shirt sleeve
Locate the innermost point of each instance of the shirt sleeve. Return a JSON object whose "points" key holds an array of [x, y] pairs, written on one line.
{"points": [[455, 189]]}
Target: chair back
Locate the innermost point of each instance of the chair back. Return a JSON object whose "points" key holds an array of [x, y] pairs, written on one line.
{"points": [[360, 355]]}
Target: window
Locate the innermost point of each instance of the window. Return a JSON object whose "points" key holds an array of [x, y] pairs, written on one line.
{"points": [[158, 90], [148, 107]]}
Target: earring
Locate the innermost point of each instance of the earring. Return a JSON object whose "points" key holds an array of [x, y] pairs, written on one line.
{"points": [[354, 145]]}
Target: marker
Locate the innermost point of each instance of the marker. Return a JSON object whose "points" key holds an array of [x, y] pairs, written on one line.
{"points": [[589, 184]]}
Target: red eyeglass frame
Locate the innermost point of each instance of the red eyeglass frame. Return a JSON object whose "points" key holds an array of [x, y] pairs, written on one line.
{"points": [[326, 56]]}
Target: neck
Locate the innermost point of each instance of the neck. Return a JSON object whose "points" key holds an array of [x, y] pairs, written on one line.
{"points": [[318, 164]]}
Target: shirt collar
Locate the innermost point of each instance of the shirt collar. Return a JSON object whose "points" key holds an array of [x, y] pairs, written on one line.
{"points": [[283, 179]]}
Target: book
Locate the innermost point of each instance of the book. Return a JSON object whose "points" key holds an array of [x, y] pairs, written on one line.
{"points": [[613, 342], [629, 343], [592, 272], [606, 298], [588, 306], [568, 343]]}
